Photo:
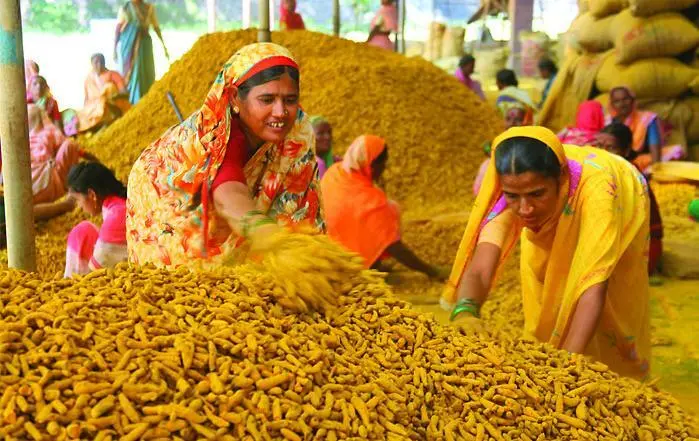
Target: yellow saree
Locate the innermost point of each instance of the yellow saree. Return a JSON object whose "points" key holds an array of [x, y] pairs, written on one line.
{"points": [[601, 234]]}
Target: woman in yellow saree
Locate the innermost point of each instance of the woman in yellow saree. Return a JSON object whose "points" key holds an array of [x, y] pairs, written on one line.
{"points": [[244, 162], [582, 216]]}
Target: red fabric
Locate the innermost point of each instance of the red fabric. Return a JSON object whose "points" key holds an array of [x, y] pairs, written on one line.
{"points": [[290, 19], [266, 64], [233, 165], [654, 253], [590, 116]]}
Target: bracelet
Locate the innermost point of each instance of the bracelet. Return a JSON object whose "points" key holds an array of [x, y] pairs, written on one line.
{"points": [[466, 305], [246, 219]]}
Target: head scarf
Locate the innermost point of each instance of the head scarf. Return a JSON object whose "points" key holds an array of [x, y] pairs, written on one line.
{"points": [[363, 151], [600, 227], [590, 116], [328, 157]]}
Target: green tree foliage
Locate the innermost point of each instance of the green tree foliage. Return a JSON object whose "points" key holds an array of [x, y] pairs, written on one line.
{"points": [[58, 16]]}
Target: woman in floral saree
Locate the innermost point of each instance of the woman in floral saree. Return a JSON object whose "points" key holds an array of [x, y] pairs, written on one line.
{"points": [[582, 217], [133, 46], [243, 163]]}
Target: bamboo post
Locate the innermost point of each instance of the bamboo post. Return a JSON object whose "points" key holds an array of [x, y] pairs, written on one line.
{"points": [[403, 14], [16, 163], [247, 12], [263, 34], [211, 14], [336, 18]]}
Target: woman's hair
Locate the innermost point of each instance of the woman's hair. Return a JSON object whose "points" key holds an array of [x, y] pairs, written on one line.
{"points": [[94, 176], [98, 56], [507, 77], [265, 76], [466, 60], [548, 64], [383, 157], [521, 154], [622, 133]]}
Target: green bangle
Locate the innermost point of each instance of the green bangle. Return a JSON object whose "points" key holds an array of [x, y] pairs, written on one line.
{"points": [[466, 305], [246, 219]]}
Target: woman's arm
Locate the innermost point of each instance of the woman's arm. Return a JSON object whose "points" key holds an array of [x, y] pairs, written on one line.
{"points": [[477, 280], [233, 201], [403, 254], [156, 28], [117, 35], [586, 317]]}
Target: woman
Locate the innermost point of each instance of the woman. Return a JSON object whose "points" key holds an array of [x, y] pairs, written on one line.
{"points": [[511, 95], [134, 47], [289, 19], [582, 216], [463, 73], [95, 190], [359, 215], [106, 97], [383, 24], [616, 138], [324, 142], [41, 96], [241, 164], [31, 69], [647, 135], [589, 121], [52, 155], [548, 71]]}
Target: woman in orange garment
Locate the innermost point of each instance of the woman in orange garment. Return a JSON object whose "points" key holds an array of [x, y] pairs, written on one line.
{"points": [[106, 97], [358, 214]]}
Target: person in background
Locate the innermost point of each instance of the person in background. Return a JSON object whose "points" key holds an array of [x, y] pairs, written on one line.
{"points": [[240, 168], [324, 144], [40, 95], [289, 19], [516, 116], [581, 218], [133, 46], [52, 156], [467, 65], [383, 24], [511, 95], [31, 69], [548, 71], [645, 126], [589, 121], [106, 97], [359, 215], [617, 138], [96, 191]]}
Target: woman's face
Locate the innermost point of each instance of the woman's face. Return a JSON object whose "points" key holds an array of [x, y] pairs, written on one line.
{"points": [[468, 68], [269, 110], [86, 201], [622, 102], [290, 5], [37, 87], [98, 64], [608, 142], [531, 196], [324, 137]]}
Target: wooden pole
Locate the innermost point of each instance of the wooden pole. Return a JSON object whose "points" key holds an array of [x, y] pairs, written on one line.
{"points": [[336, 18], [247, 12], [403, 14], [211, 14], [263, 34], [16, 163]]}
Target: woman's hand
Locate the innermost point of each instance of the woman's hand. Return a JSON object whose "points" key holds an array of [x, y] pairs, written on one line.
{"points": [[470, 324]]}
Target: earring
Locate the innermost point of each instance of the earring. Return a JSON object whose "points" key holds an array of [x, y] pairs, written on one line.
{"points": [[236, 110], [286, 112]]}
